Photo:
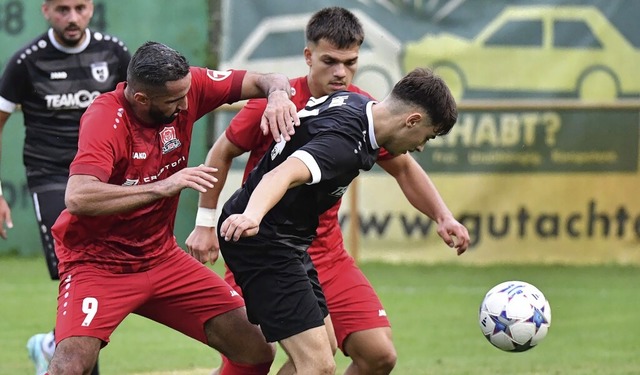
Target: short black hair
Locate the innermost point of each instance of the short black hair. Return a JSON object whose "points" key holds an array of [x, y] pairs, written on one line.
{"points": [[421, 87], [153, 65], [337, 26]]}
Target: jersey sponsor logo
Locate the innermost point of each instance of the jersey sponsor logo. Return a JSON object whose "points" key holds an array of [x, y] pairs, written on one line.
{"points": [[277, 149], [140, 155], [169, 140], [100, 71], [218, 75], [72, 100], [339, 191], [338, 101], [165, 168], [58, 75]]}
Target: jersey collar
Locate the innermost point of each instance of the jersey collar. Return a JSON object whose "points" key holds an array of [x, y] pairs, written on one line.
{"points": [[372, 135], [70, 50]]}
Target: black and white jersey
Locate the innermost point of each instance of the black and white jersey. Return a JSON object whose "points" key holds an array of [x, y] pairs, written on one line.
{"points": [[54, 85], [335, 140]]}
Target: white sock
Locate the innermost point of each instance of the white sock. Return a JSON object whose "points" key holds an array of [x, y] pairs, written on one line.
{"points": [[49, 345]]}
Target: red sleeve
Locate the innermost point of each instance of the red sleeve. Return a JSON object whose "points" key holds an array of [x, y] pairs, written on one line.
{"points": [[244, 129], [212, 88], [102, 139]]}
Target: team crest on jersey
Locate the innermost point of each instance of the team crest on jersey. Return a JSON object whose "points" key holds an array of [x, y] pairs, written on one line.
{"points": [[100, 71], [169, 140], [277, 149]]}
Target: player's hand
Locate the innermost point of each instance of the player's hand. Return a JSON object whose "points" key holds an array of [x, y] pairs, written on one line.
{"points": [[5, 218], [203, 244], [454, 234], [239, 225], [280, 117], [198, 178]]}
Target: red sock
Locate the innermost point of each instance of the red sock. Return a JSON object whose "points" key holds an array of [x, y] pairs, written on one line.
{"points": [[229, 367]]}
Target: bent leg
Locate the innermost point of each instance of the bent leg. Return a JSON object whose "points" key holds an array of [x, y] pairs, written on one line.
{"points": [[289, 369], [75, 355], [237, 339], [372, 352], [192, 299], [310, 352], [361, 324]]}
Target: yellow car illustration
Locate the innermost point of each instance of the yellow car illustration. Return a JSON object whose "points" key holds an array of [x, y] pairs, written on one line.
{"points": [[533, 51]]}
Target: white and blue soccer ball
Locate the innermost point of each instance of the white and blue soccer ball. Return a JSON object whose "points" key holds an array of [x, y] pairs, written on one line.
{"points": [[514, 316]]}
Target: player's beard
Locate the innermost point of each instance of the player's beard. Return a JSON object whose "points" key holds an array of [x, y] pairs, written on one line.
{"points": [[158, 117], [70, 42]]}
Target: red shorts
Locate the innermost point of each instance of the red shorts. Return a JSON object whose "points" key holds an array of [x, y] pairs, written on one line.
{"points": [[180, 293], [353, 303]]}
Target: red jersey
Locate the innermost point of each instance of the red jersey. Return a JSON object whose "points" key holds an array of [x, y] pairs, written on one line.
{"points": [[245, 133], [118, 149]]}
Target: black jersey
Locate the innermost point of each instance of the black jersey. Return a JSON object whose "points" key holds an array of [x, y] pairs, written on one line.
{"points": [[335, 140], [54, 85]]}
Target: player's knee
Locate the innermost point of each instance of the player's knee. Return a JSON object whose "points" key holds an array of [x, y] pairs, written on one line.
{"points": [[310, 363], [75, 358], [324, 366], [229, 367], [265, 352], [382, 360], [255, 353], [59, 367]]}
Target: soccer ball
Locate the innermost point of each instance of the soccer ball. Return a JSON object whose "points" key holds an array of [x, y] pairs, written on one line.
{"points": [[514, 316]]}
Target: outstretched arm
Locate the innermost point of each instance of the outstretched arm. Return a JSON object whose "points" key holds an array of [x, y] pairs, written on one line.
{"points": [[423, 195], [291, 173], [87, 195]]}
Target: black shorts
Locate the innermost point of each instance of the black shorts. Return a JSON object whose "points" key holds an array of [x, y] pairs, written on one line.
{"points": [[48, 203], [280, 287]]}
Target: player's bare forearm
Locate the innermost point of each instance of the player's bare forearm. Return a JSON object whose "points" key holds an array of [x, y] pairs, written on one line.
{"points": [[272, 187], [87, 195], [220, 156], [416, 186], [266, 195], [5, 218], [258, 85], [5, 211], [423, 195]]}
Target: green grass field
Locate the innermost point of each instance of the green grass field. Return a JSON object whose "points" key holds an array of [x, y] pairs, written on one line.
{"points": [[433, 310]]}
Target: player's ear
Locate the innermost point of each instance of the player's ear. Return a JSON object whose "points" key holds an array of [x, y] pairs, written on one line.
{"points": [[90, 8], [307, 55], [141, 98], [45, 10], [413, 119]]}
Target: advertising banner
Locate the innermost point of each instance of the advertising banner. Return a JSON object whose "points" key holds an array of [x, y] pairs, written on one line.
{"points": [[543, 170]]}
